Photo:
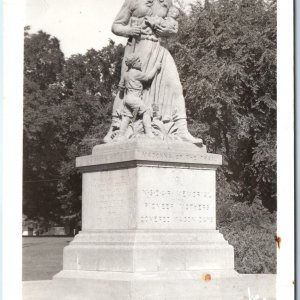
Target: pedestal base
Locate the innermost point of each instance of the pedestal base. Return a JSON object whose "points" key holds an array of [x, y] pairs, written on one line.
{"points": [[149, 286], [150, 265], [149, 226], [204, 251]]}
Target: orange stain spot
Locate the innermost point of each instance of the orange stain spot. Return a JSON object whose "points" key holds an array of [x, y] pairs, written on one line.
{"points": [[278, 241], [206, 277]]}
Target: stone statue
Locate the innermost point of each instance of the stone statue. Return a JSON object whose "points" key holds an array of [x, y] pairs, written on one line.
{"points": [[132, 86], [169, 21], [146, 23]]}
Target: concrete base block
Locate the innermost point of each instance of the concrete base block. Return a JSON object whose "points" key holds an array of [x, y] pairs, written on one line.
{"points": [[91, 285], [150, 251]]}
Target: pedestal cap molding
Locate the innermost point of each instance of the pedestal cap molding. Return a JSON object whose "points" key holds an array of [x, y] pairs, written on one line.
{"points": [[148, 152]]}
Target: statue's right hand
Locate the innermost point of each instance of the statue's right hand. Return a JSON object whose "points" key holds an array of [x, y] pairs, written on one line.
{"points": [[134, 31]]}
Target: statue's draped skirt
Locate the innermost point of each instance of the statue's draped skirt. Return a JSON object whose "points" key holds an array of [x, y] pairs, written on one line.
{"points": [[165, 91]]}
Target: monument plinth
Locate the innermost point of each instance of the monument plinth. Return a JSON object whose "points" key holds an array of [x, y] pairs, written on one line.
{"points": [[148, 218]]}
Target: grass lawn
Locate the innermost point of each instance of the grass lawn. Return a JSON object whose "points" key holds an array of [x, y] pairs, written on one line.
{"points": [[42, 256]]}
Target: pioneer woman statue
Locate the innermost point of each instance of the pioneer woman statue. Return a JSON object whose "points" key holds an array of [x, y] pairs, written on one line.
{"points": [[163, 95]]}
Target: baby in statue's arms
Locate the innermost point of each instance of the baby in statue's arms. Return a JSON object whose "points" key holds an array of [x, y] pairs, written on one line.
{"points": [[169, 21]]}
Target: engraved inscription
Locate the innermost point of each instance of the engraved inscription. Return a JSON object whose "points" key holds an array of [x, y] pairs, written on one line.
{"points": [[165, 206], [179, 156], [175, 194], [173, 198], [128, 155], [164, 219]]}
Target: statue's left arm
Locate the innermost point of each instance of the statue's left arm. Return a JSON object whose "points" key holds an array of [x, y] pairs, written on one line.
{"points": [[121, 24]]}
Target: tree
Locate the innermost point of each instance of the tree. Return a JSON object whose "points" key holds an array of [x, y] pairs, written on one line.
{"points": [[43, 60], [226, 55], [66, 111]]}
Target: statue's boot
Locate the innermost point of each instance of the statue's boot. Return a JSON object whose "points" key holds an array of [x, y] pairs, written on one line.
{"points": [[147, 125], [112, 130], [123, 128], [184, 134]]}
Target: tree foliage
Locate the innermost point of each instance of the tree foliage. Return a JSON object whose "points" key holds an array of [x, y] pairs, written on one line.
{"points": [[43, 60], [226, 55], [67, 104], [225, 52]]}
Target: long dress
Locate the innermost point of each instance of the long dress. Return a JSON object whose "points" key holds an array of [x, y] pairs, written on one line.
{"points": [[165, 91]]}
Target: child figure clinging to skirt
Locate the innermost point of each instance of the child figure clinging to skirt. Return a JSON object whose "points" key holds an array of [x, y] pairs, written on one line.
{"points": [[132, 85]]}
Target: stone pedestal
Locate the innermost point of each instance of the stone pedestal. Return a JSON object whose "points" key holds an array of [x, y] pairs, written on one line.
{"points": [[148, 223]]}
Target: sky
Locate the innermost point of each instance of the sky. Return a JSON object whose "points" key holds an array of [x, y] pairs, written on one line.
{"points": [[78, 24]]}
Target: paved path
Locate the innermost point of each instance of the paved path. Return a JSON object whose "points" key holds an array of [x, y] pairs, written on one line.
{"points": [[264, 285], [42, 256]]}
